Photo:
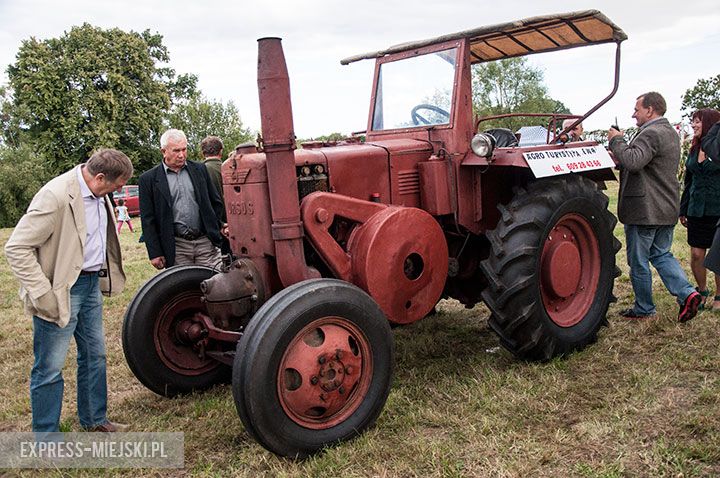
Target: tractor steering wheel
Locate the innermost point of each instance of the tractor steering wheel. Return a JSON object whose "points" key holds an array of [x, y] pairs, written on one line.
{"points": [[418, 119]]}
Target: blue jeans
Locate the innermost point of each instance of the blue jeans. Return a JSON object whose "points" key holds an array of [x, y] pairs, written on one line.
{"points": [[651, 245], [50, 345]]}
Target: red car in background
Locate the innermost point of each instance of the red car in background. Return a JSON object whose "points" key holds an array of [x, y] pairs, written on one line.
{"points": [[131, 197]]}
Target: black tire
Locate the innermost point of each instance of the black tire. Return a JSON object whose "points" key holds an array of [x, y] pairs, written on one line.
{"points": [[143, 337], [515, 294], [272, 337]]}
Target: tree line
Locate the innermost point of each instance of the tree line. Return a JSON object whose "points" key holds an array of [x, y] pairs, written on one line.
{"points": [[93, 88]]}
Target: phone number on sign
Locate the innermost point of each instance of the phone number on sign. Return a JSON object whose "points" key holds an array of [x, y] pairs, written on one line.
{"points": [[592, 163], [577, 165]]}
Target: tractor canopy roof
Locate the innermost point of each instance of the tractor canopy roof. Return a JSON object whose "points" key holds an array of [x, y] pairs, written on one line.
{"points": [[522, 37]]}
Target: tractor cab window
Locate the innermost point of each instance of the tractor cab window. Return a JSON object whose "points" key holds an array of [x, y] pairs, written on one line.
{"points": [[415, 91]]}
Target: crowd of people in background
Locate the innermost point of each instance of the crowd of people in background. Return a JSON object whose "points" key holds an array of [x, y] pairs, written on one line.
{"points": [[184, 222], [649, 206]]}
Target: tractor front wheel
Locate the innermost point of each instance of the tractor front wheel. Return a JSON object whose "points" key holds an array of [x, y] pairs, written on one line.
{"points": [[551, 268], [313, 367], [164, 340]]}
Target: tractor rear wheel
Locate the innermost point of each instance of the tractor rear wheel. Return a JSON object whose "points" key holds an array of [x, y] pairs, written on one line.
{"points": [[313, 367], [162, 338], [551, 268]]}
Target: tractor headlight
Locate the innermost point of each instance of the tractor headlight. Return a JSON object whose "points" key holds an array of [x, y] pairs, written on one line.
{"points": [[483, 144]]}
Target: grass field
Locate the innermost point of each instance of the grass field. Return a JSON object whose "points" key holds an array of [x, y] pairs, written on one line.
{"points": [[642, 401]]}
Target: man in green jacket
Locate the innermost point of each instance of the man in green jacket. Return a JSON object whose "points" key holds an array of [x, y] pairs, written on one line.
{"points": [[648, 206], [212, 149]]}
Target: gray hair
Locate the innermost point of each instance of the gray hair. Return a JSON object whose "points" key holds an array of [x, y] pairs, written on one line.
{"points": [[111, 162], [171, 134]]}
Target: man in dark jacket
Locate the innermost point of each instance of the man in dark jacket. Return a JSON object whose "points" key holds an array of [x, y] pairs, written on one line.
{"points": [[180, 209], [648, 206]]}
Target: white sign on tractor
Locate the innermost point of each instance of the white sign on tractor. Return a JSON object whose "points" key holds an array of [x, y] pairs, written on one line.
{"points": [[553, 162]]}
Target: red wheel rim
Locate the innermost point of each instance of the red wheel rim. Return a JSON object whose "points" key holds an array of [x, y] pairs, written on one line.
{"points": [[569, 270], [181, 356], [325, 373]]}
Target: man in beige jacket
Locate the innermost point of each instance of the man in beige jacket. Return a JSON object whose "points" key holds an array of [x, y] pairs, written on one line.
{"points": [[65, 253]]}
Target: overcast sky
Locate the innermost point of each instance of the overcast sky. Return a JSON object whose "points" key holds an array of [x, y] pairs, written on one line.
{"points": [[671, 45]]}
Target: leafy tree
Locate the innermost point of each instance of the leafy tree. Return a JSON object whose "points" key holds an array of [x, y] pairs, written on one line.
{"points": [[10, 130], [199, 117], [705, 94], [22, 174], [511, 86], [92, 88]]}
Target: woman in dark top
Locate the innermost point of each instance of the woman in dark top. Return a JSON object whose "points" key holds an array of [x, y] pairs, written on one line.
{"points": [[700, 201]]}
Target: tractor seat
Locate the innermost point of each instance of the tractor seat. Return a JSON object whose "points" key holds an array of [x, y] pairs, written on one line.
{"points": [[504, 138]]}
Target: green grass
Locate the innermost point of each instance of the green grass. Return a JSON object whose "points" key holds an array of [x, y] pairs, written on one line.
{"points": [[642, 401]]}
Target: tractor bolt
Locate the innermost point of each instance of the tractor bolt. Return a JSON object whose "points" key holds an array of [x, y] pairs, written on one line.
{"points": [[314, 380], [549, 238], [564, 236], [321, 359], [248, 276], [557, 308], [341, 390], [321, 216], [253, 298], [348, 370]]}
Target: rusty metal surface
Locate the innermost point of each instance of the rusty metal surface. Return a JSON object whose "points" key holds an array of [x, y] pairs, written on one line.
{"points": [[319, 211], [278, 140], [570, 265], [325, 373], [234, 295], [400, 257], [249, 219], [359, 171], [435, 188]]}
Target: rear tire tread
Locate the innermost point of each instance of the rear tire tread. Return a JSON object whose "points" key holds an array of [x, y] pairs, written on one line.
{"points": [[512, 295]]}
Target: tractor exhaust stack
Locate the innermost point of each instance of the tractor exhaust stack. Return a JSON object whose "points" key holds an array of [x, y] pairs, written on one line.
{"points": [[278, 142]]}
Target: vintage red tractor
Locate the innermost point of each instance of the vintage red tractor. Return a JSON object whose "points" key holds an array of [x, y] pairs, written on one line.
{"points": [[333, 243]]}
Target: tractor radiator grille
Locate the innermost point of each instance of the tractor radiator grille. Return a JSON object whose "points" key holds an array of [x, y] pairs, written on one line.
{"points": [[310, 184]]}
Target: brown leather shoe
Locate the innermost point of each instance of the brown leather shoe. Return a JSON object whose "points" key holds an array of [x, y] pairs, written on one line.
{"points": [[109, 427]]}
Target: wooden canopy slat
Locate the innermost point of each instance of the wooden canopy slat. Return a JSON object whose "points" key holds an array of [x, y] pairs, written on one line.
{"points": [[523, 37]]}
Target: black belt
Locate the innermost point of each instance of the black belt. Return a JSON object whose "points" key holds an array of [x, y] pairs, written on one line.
{"points": [[88, 273], [189, 236]]}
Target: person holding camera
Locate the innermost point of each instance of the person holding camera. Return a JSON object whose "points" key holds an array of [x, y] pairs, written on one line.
{"points": [[648, 207]]}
